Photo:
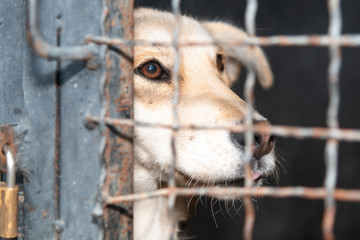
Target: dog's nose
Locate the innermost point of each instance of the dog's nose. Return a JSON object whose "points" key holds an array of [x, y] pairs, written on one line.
{"points": [[263, 142]]}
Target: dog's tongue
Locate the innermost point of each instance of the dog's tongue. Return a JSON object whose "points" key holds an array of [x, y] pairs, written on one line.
{"points": [[255, 176]]}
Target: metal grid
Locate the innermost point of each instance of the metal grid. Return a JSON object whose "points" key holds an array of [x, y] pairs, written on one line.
{"points": [[332, 134]]}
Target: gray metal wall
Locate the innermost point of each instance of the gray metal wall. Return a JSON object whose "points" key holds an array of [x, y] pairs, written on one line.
{"points": [[59, 160]]}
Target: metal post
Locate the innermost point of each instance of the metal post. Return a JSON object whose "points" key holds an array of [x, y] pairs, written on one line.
{"points": [[116, 91]]}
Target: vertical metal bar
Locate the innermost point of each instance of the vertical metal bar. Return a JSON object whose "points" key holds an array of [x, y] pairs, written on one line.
{"points": [[331, 148], [117, 96], [175, 6], [57, 156], [335, 63], [250, 15]]}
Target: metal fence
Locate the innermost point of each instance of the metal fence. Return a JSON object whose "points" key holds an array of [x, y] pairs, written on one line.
{"points": [[334, 41], [332, 134]]}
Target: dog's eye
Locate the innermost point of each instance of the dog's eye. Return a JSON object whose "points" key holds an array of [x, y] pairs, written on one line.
{"points": [[153, 71], [220, 62]]}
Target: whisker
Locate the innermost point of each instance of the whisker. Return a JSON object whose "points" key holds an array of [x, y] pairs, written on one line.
{"points": [[196, 203], [237, 210], [222, 212], [202, 202], [213, 214], [189, 202], [227, 207]]}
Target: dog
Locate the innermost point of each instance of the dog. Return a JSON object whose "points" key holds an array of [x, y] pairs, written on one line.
{"points": [[204, 157]]}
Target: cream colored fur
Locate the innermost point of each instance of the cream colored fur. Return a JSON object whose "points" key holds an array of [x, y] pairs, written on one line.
{"points": [[203, 157]]}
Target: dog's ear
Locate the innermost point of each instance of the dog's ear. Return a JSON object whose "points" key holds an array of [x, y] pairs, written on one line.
{"points": [[240, 55]]}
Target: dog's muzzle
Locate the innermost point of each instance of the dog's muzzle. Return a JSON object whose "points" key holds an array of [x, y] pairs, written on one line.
{"points": [[263, 143]]}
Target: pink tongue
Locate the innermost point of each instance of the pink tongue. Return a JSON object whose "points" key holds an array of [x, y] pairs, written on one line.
{"points": [[255, 176]]}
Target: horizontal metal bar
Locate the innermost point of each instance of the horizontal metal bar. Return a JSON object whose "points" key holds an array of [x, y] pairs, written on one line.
{"points": [[44, 49], [347, 40], [350, 135], [348, 195]]}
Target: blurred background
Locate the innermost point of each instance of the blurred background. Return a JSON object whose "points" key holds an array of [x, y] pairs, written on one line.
{"points": [[298, 98]]}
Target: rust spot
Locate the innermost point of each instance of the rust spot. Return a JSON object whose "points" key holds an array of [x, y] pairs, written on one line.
{"points": [[318, 132], [347, 41], [45, 214], [283, 41], [113, 23], [313, 40], [123, 108], [106, 12], [108, 62], [31, 208], [263, 41], [117, 154]]}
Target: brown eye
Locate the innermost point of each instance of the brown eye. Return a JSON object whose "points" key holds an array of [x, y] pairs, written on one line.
{"points": [[151, 70], [220, 62]]}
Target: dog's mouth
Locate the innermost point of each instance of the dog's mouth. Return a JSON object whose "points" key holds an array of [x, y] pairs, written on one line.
{"points": [[257, 179]]}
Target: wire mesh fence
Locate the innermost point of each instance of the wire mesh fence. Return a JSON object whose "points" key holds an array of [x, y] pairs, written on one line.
{"points": [[332, 134]]}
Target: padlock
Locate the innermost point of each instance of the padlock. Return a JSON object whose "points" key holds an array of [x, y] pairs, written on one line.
{"points": [[9, 200]]}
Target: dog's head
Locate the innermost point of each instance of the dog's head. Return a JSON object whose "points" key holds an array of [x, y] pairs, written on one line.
{"points": [[206, 74]]}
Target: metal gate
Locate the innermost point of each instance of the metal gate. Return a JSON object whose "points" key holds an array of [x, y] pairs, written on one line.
{"points": [[43, 110], [62, 118]]}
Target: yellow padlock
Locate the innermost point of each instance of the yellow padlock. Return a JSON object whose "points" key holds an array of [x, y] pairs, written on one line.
{"points": [[9, 200]]}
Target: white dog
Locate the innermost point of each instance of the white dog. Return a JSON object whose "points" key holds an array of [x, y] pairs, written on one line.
{"points": [[204, 157]]}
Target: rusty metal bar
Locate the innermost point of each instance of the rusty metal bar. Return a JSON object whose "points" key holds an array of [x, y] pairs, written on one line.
{"points": [[350, 135], [346, 40], [45, 50], [116, 92], [335, 63], [57, 140], [331, 147], [250, 15], [175, 6], [345, 195]]}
